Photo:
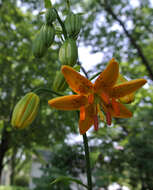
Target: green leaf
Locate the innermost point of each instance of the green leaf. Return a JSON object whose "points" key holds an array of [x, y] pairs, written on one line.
{"points": [[48, 4], [63, 178], [77, 68], [42, 12]]}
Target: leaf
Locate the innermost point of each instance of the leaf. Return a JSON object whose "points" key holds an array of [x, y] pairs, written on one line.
{"points": [[63, 178], [77, 68], [42, 12], [48, 4]]}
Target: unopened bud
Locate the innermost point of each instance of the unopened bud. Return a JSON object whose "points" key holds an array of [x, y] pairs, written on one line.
{"points": [[25, 111], [73, 25], [59, 83], [68, 53], [50, 16]]}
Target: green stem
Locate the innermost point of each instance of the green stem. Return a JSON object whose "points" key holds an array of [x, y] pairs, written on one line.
{"points": [[48, 4], [68, 4], [62, 24], [42, 90], [95, 75], [88, 168]]}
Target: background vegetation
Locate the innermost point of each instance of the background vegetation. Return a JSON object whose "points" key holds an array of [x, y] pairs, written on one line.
{"points": [[122, 153]]}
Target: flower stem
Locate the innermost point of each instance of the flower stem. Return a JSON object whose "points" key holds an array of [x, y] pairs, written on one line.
{"points": [[43, 90], [68, 4], [88, 168], [62, 24]]}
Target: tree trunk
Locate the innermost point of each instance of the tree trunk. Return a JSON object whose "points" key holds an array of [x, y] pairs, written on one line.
{"points": [[13, 164], [4, 146]]}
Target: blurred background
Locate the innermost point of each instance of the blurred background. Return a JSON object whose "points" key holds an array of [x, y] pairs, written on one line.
{"points": [[121, 155]]}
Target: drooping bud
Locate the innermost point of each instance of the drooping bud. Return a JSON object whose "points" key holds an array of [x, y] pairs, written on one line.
{"points": [[50, 16], [43, 40], [48, 34], [73, 25], [59, 84], [68, 53], [25, 111], [38, 46]]}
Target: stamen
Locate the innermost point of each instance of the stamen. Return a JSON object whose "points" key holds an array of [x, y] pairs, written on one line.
{"points": [[90, 98], [96, 122], [105, 98], [115, 106], [108, 118], [82, 113]]}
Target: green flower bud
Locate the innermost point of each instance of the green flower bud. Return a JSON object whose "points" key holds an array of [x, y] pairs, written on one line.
{"points": [[47, 34], [38, 46], [59, 84], [25, 111], [68, 53], [73, 25], [50, 16], [43, 40]]}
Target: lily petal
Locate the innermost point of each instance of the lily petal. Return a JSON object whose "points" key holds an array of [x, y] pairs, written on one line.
{"points": [[108, 77], [84, 125], [126, 88], [115, 106], [124, 112], [82, 113], [71, 102], [77, 82], [128, 98]]}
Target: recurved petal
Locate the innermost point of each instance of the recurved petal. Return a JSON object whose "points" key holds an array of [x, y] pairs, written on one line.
{"points": [[124, 112], [77, 82], [85, 124], [71, 102], [128, 98], [108, 77], [126, 88]]}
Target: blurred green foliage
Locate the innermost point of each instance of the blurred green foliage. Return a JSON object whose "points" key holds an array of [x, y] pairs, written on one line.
{"points": [[12, 188], [63, 161]]}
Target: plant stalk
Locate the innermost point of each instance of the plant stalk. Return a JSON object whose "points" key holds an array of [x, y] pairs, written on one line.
{"points": [[62, 24], [43, 90], [88, 168], [68, 4]]}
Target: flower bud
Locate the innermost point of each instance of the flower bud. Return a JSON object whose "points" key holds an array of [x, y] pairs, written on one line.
{"points": [[25, 111], [73, 25], [68, 53], [43, 40], [59, 83], [38, 46], [50, 16], [48, 34]]}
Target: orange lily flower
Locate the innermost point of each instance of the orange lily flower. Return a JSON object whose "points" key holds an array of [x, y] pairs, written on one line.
{"points": [[91, 99]]}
